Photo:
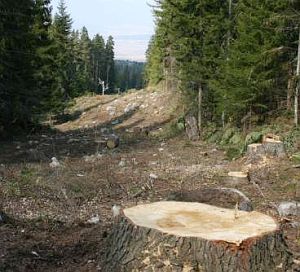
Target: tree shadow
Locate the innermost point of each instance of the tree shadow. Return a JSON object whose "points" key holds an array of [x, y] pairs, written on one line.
{"points": [[69, 117], [49, 245]]}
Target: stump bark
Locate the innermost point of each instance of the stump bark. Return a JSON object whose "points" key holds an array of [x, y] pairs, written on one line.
{"points": [[191, 128], [270, 146], [180, 236]]}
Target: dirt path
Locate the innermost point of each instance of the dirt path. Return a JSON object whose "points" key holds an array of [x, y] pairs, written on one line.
{"points": [[50, 208]]}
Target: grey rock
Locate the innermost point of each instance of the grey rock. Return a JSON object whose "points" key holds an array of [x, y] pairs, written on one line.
{"points": [[287, 208]]}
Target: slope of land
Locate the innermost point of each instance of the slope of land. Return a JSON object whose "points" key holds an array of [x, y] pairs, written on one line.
{"points": [[59, 217]]}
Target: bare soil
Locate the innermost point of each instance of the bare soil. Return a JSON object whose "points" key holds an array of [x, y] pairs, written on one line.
{"points": [[49, 209]]}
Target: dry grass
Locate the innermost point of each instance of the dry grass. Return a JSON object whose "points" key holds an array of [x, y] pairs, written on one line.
{"points": [[49, 208]]}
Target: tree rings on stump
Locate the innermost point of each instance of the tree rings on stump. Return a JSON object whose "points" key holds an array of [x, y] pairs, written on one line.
{"points": [[180, 236]]}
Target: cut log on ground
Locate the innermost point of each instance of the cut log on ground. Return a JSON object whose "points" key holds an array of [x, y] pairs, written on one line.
{"points": [[191, 128], [237, 178], [180, 236], [220, 197]]}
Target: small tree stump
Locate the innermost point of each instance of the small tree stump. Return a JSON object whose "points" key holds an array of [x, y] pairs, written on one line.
{"points": [[254, 150], [269, 148], [191, 128], [179, 236], [112, 141]]}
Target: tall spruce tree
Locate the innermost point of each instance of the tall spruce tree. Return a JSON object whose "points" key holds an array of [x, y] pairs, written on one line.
{"points": [[16, 71], [250, 80], [61, 34], [110, 64], [43, 61], [98, 61]]}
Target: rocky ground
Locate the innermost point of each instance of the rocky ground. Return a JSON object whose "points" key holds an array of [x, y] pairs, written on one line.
{"points": [[59, 210]]}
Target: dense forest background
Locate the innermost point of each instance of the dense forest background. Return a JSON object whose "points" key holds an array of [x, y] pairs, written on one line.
{"points": [[44, 63], [233, 60]]}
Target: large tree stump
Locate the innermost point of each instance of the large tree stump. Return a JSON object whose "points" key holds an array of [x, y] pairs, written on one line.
{"points": [[271, 146], [180, 236]]}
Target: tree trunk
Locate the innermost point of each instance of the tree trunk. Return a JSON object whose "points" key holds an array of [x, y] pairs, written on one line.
{"points": [[290, 90], [297, 83], [191, 128], [179, 236], [200, 96]]}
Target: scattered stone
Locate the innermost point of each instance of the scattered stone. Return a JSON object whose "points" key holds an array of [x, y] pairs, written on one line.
{"points": [[64, 192], [116, 210], [35, 254], [111, 110], [54, 163], [130, 108], [92, 158], [153, 176], [161, 149], [289, 208], [122, 163], [94, 220]]}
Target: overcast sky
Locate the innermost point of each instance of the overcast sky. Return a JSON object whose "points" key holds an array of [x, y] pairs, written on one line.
{"points": [[130, 22]]}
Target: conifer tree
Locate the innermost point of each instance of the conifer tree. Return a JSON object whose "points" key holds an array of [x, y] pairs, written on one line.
{"points": [[98, 61], [16, 71], [110, 64], [61, 34]]}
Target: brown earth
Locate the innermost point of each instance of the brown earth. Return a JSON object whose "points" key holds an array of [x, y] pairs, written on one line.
{"points": [[49, 208]]}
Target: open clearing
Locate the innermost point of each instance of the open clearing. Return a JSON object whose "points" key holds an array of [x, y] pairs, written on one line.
{"points": [[60, 217]]}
